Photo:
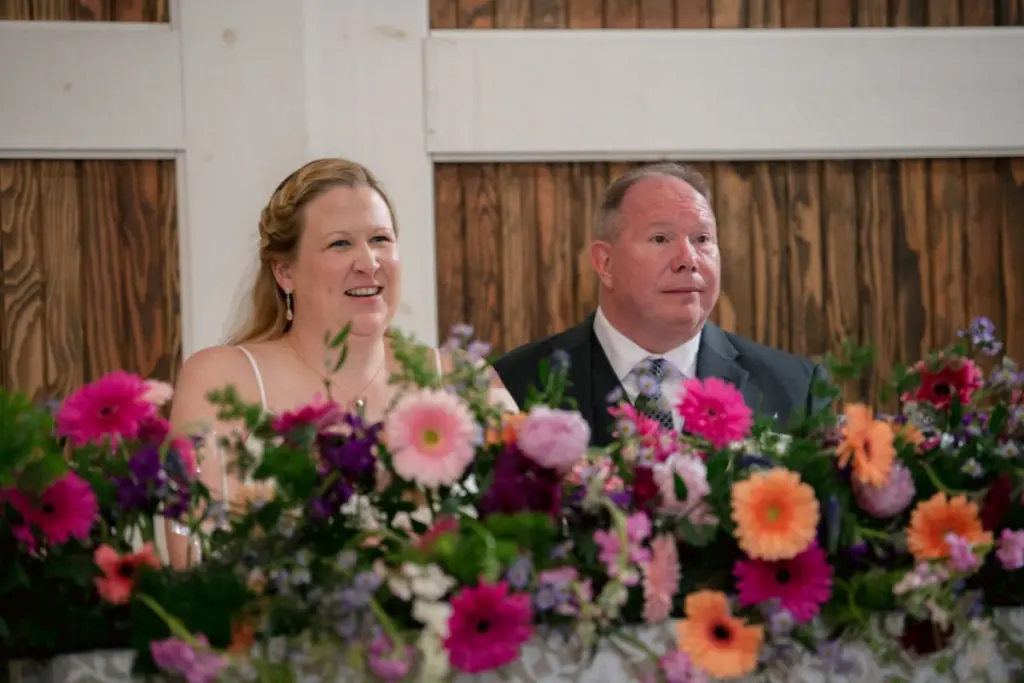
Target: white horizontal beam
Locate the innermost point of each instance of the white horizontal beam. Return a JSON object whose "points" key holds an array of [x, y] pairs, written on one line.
{"points": [[89, 89], [724, 94]]}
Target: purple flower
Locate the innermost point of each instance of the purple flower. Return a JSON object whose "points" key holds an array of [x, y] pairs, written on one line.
{"points": [[518, 575], [678, 668], [478, 351], [1011, 549], [520, 485], [556, 439], [177, 656], [961, 557], [982, 334], [887, 500], [388, 662]]}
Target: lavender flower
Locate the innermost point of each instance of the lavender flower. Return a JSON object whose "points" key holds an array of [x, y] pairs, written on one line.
{"points": [[520, 572], [982, 335], [961, 557], [1011, 549], [196, 665], [478, 351], [388, 662], [887, 500]]}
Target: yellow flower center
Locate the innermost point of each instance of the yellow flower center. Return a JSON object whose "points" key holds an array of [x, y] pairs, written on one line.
{"points": [[773, 513], [431, 438]]}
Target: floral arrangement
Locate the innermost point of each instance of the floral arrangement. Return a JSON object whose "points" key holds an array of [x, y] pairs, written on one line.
{"points": [[445, 538]]}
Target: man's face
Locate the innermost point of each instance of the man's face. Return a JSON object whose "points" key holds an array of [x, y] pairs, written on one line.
{"points": [[663, 269]]}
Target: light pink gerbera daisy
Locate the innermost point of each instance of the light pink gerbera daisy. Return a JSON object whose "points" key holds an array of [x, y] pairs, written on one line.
{"points": [[801, 585], [715, 410], [111, 408], [68, 508], [661, 579], [431, 436], [487, 627]]}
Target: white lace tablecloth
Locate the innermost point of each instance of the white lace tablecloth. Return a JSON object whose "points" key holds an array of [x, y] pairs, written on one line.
{"points": [[554, 661]]}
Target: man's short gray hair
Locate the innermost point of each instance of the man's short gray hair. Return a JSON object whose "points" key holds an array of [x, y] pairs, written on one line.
{"points": [[606, 218]]}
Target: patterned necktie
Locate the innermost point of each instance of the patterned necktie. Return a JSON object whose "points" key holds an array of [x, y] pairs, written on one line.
{"points": [[650, 374]]}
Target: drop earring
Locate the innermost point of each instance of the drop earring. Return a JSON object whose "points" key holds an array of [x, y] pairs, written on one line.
{"points": [[288, 315]]}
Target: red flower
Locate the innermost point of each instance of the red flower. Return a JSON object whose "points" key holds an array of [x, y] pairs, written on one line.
{"points": [[645, 489], [121, 571], [996, 503], [958, 377]]}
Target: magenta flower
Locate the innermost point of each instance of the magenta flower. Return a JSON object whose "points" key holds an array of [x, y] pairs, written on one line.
{"points": [[714, 410], [196, 665], [556, 439], [801, 585], [1011, 549], [112, 408], [887, 500], [487, 627], [67, 509], [318, 415]]}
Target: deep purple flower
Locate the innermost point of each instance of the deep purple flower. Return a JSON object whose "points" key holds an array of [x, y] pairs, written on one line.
{"points": [[521, 485]]}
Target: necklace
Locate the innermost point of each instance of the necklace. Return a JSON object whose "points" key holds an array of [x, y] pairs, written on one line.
{"points": [[359, 402]]}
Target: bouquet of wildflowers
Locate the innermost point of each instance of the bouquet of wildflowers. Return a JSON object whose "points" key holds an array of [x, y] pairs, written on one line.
{"points": [[442, 540], [83, 487], [899, 529]]}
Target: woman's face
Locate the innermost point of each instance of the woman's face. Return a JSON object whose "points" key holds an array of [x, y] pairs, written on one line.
{"points": [[347, 265]]}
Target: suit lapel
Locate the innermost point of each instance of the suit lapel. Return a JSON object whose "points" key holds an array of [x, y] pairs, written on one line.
{"points": [[592, 380], [717, 357]]}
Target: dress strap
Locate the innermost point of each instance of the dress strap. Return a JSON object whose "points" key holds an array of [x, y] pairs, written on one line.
{"points": [[259, 376], [437, 360]]}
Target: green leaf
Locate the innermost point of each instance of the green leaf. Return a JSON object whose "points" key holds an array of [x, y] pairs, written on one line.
{"points": [[697, 535], [680, 487], [79, 569]]}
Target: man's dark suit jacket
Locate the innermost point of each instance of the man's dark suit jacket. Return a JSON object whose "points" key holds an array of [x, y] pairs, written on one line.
{"points": [[773, 383]]}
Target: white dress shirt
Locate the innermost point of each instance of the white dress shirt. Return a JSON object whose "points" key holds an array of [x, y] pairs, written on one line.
{"points": [[624, 355]]}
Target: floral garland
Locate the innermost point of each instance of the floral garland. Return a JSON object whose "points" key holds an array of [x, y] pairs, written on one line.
{"points": [[445, 538]]}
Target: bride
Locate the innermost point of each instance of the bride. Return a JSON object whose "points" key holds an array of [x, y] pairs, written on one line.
{"points": [[329, 256]]}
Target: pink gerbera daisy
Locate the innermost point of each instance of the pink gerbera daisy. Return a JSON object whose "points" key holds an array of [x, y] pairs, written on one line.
{"points": [[715, 410], [68, 508], [113, 407], [487, 627], [431, 436], [801, 584]]}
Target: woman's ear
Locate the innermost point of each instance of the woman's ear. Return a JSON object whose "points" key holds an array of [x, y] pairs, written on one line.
{"points": [[283, 275]]}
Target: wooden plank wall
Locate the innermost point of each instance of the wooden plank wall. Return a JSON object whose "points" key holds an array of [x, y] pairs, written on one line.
{"points": [[899, 254], [89, 253]]}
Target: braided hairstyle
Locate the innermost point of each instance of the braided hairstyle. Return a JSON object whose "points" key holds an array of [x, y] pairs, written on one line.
{"points": [[281, 226]]}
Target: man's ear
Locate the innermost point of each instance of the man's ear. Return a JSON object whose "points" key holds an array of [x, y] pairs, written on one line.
{"points": [[601, 260], [283, 274]]}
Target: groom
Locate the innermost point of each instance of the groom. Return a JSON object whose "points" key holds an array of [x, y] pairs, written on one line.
{"points": [[655, 250]]}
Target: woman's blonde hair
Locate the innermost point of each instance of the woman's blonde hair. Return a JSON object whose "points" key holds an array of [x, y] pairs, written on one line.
{"points": [[281, 225]]}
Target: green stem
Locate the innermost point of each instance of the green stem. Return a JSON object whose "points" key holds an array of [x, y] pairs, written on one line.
{"points": [[177, 628], [873, 533], [937, 483], [389, 627], [638, 644]]}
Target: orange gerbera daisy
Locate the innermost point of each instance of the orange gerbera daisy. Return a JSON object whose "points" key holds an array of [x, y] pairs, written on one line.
{"points": [[776, 514], [717, 642], [938, 516], [869, 443], [510, 423]]}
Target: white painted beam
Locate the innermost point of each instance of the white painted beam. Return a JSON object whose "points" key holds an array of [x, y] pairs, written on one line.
{"points": [[724, 94], [245, 114], [364, 76], [89, 90]]}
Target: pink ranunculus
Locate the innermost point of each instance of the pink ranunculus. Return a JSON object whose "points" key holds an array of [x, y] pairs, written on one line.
{"points": [[556, 439]]}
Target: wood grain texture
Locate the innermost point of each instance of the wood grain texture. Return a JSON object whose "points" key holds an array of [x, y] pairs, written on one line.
{"points": [[898, 254], [149, 11], [91, 277]]}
